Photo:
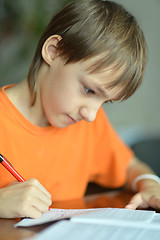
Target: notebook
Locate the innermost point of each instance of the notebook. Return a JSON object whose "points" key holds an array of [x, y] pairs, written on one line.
{"points": [[100, 224]]}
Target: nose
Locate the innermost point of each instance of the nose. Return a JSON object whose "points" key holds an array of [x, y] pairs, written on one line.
{"points": [[87, 114]]}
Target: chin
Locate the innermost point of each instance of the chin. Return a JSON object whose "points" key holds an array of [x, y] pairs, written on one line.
{"points": [[61, 123], [58, 125]]}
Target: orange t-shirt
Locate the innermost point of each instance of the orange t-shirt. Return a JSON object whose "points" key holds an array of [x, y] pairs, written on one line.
{"points": [[63, 160]]}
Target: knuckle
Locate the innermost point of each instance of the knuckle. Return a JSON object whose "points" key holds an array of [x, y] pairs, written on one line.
{"points": [[34, 182], [30, 190], [28, 199]]}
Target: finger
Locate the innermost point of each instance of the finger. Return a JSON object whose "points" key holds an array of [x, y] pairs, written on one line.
{"points": [[154, 202], [32, 212], [135, 202], [43, 198], [131, 206], [36, 183], [30, 183], [40, 205], [33, 190], [27, 207]]}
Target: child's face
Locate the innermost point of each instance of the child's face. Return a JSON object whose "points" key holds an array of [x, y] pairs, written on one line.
{"points": [[69, 93]]}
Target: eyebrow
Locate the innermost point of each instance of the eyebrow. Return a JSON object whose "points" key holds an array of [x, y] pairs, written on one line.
{"points": [[101, 90], [98, 88]]}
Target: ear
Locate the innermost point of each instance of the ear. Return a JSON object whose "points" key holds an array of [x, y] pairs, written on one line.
{"points": [[49, 49]]}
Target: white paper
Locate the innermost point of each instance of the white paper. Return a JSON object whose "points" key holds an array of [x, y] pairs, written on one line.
{"points": [[118, 214], [70, 231], [119, 217], [53, 214], [156, 218], [102, 216]]}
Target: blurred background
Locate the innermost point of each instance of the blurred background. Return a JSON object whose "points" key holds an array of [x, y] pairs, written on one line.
{"points": [[21, 24]]}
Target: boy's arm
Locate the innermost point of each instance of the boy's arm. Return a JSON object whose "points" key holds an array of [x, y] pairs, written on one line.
{"points": [[148, 190]]}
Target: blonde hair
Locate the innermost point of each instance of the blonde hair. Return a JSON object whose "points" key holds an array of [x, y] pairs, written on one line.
{"points": [[92, 27]]}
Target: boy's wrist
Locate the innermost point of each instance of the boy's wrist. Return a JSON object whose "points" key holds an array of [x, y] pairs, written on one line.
{"points": [[145, 181]]}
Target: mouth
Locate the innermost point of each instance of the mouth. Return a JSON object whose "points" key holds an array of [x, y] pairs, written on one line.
{"points": [[71, 120]]}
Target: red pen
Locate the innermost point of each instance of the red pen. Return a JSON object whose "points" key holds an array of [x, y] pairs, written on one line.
{"points": [[11, 169]]}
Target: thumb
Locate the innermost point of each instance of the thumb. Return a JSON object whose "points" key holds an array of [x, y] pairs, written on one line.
{"points": [[136, 201]]}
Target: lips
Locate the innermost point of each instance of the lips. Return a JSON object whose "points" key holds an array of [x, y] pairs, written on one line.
{"points": [[71, 120]]}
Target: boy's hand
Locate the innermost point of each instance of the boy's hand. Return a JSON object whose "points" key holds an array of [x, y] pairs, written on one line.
{"points": [[24, 199], [147, 198], [148, 194]]}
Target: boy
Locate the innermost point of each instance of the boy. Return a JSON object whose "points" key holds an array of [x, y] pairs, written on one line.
{"points": [[52, 125]]}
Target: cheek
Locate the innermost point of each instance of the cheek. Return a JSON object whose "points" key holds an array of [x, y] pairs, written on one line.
{"points": [[58, 101], [61, 92], [54, 101]]}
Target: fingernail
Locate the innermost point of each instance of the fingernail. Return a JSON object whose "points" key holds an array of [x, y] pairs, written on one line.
{"points": [[129, 206]]}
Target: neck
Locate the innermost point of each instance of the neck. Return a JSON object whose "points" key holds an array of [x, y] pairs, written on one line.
{"points": [[21, 97]]}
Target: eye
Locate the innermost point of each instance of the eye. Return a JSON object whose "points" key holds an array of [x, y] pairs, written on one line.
{"points": [[88, 90]]}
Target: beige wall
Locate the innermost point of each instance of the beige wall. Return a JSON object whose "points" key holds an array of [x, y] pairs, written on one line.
{"points": [[141, 113]]}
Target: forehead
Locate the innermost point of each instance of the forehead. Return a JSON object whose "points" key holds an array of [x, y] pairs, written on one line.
{"points": [[112, 70], [107, 78]]}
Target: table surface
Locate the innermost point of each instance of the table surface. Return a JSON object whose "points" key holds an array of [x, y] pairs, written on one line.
{"points": [[115, 199]]}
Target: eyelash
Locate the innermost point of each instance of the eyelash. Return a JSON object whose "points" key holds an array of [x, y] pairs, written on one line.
{"points": [[109, 101], [88, 91]]}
